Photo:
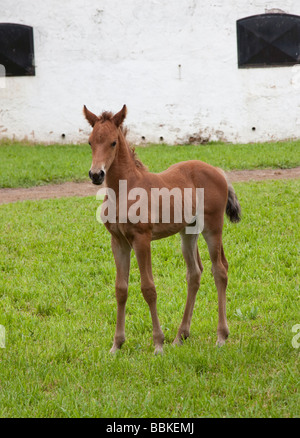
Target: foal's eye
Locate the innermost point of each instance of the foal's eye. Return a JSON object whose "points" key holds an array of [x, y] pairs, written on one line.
{"points": [[114, 143]]}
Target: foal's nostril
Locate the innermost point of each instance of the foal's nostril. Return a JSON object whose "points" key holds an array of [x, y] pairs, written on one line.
{"points": [[97, 178]]}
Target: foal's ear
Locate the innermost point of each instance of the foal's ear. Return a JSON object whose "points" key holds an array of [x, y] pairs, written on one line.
{"points": [[91, 118], [118, 118]]}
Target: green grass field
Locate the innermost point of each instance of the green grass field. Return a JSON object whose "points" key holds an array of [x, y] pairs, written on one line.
{"points": [[23, 165], [58, 307], [57, 301]]}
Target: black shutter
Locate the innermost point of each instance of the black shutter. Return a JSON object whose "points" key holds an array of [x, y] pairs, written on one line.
{"points": [[16, 49], [268, 40]]}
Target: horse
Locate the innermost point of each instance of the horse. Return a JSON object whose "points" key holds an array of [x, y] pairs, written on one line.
{"points": [[114, 161]]}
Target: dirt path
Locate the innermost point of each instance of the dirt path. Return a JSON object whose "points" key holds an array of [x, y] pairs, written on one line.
{"points": [[88, 189]]}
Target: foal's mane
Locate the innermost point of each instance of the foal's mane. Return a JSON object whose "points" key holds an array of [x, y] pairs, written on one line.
{"points": [[108, 115]]}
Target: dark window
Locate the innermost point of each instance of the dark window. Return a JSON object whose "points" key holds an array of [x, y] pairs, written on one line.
{"points": [[268, 40], [16, 49]]}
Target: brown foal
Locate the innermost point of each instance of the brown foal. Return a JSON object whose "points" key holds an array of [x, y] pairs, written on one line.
{"points": [[114, 161]]}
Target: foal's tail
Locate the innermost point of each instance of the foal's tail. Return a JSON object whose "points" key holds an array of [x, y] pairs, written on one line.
{"points": [[233, 208]]}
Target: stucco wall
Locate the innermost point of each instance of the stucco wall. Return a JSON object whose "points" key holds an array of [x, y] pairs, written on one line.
{"points": [[173, 62]]}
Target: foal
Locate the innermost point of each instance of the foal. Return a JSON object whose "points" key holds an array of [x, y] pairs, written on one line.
{"points": [[113, 161]]}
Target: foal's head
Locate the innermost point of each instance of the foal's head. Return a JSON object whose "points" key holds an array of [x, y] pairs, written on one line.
{"points": [[104, 141]]}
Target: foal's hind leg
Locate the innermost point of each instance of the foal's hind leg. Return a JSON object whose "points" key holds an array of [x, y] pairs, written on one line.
{"points": [[121, 251], [193, 274], [219, 271]]}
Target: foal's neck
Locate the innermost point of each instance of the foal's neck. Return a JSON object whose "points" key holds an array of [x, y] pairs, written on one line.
{"points": [[123, 165]]}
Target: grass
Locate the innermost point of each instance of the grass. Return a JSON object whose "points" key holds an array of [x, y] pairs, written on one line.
{"points": [[58, 307], [25, 165]]}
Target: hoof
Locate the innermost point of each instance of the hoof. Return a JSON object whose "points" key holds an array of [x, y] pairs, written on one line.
{"points": [[222, 336], [178, 342], [220, 343], [181, 336], [114, 349], [117, 344], [221, 340], [158, 350]]}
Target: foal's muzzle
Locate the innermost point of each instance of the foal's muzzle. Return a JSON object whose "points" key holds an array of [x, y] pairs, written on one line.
{"points": [[97, 178]]}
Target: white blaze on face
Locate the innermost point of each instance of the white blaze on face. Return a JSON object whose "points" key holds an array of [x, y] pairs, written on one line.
{"points": [[98, 169]]}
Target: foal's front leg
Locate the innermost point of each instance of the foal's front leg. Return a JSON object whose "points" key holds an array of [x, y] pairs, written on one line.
{"points": [[121, 251], [142, 249]]}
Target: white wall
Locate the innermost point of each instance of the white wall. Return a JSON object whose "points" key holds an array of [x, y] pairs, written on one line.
{"points": [[104, 53]]}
